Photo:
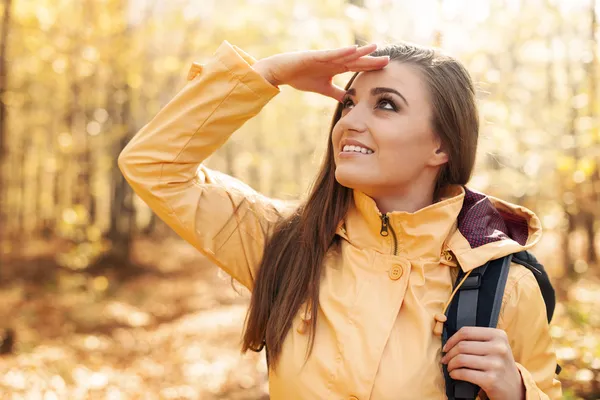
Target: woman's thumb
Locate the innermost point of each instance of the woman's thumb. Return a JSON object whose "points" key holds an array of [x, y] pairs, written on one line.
{"points": [[334, 92]]}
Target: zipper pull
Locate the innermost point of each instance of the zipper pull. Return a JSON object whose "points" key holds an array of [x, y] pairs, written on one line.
{"points": [[384, 225]]}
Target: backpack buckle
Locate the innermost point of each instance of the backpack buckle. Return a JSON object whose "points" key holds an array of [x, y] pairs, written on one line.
{"points": [[473, 281]]}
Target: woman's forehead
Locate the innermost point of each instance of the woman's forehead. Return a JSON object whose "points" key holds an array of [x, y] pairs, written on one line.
{"points": [[401, 77], [396, 75]]}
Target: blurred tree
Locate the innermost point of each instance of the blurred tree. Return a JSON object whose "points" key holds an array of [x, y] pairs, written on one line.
{"points": [[4, 76], [592, 211], [122, 212]]}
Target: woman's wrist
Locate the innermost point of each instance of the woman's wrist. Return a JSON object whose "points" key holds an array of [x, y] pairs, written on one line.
{"points": [[263, 67]]}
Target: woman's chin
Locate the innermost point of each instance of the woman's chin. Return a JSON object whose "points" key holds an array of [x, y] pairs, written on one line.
{"points": [[349, 179]]}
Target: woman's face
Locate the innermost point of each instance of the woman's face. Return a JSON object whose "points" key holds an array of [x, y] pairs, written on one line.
{"points": [[384, 141]]}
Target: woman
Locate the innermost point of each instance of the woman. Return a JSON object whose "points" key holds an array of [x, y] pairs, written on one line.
{"points": [[346, 287]]}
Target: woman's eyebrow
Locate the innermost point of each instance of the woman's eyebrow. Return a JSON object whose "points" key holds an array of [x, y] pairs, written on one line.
{"points": [[379, 90]]}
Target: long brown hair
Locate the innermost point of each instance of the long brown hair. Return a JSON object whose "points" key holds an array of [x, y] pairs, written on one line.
{"points": [[290, 271]]}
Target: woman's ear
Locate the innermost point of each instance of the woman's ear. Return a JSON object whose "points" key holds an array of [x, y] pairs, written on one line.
{"points": [[439, 156]]}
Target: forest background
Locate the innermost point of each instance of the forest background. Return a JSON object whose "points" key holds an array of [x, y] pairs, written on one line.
{"points": [[99, 299]]}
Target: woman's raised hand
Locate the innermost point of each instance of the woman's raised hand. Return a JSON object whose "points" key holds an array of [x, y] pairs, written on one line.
{"points": [[313, 70]]}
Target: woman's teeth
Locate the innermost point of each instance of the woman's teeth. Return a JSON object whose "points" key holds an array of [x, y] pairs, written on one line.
{"points": [[357, 149]]}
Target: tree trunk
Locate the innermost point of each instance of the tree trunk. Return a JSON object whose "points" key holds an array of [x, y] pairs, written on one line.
{"points": [[590, 233], [569, 210], [3, 114], [592, 73], [151, 226], [122, 216], [568, 261]]}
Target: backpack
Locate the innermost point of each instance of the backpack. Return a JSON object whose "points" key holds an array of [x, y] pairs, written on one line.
{"points": [[477, 303]]}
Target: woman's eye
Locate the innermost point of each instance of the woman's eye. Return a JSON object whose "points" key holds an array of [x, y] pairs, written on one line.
{"points": [[387, 105], [382, 104], [347, 103]]}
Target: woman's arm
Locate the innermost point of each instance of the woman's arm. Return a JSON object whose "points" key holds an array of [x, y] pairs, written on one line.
{"points": [[222, 217]]}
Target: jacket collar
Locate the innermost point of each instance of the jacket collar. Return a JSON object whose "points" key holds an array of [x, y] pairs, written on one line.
{"points": [[465, 227], [420, 234]]}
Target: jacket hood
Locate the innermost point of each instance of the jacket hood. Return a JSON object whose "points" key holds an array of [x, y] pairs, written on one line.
{"points": [[489, 228]]}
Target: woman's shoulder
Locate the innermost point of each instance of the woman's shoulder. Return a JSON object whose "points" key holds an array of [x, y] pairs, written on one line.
{"points": [[518, 272], [522, 292]]}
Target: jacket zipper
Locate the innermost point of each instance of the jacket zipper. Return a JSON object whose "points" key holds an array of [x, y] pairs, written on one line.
{"points": [[386, 228]]}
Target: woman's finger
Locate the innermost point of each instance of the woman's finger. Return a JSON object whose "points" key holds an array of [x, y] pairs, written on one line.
{"points": [[368, 63], [468, 361], [467, 347], [479, 378], [328, 55], [472, 333], [360, 52]]}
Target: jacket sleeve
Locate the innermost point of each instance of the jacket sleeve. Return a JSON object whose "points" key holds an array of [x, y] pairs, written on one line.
{"points": [[526, 325], [222, 217]]}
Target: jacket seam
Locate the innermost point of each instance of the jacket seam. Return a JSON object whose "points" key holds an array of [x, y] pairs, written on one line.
{"points": [[196, 131], [512, 290]]}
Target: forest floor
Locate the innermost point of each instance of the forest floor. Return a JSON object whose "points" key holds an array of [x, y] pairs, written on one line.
{"points": [[172, 330]]}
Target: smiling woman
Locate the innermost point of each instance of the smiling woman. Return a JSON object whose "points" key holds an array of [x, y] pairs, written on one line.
{"points": [[349, 287]]}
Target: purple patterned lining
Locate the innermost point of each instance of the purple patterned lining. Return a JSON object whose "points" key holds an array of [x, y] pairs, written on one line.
{"points": [[481, 223]]}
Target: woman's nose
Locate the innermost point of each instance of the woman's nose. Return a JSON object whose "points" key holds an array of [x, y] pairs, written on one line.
{"points": [[354, 120]]}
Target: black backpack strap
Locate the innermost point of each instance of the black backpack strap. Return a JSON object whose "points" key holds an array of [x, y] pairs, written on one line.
{"points": [[476, 303]]}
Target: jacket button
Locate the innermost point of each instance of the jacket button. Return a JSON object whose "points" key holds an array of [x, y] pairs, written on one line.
{"points": [[194, 71], [395, 272]]}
